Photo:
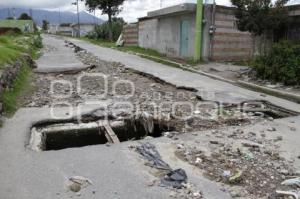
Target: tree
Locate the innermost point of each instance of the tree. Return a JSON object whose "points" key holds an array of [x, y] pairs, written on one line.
{"points": [[102, 31], [45, 25], [260, 17], [109, 7], [24, 16]]}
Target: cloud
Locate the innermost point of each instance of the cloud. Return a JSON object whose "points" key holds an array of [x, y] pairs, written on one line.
{"points": [[132, 9], [41, 4]]}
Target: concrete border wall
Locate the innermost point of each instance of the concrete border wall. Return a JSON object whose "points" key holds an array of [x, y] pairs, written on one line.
{"points": [[131, 34], [230, 44]]}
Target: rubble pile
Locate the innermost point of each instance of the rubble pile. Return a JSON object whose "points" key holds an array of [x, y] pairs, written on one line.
{"points": [[246, 168]]}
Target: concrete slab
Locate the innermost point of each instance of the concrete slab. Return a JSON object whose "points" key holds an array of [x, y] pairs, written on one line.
{"points": [[62, 59], [208, 89], [116, 171]]}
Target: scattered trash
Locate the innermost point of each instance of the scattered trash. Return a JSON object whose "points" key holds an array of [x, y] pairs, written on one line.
{"points": [[226, 174], [288, 193], [292, 182], [150, 153], [249, 156], [175, 179], [237, 177]]}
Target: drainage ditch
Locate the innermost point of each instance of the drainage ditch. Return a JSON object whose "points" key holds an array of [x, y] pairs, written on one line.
{"points": [[71, 135]]}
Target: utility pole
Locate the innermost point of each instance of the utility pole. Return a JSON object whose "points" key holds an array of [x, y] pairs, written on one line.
{"points": [[198, 31], [59, 17], [161, 3], [78, 17], [95, 20]]}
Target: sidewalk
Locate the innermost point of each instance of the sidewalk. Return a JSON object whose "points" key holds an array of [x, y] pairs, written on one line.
{"points": [[209, 89]]}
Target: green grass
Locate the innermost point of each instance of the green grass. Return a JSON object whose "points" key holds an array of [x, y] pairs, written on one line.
{"points": [[21, 84], [155, 55], [9, 50], [11, 47]]}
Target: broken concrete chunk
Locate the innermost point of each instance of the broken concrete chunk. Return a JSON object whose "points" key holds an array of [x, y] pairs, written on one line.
{"points": [[251, 144], [271, 129], [292, 182], [214, 142], [288, 193]]}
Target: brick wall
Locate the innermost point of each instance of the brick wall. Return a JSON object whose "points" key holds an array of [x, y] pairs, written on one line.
{"points": [[230, 44], [130, 34]]}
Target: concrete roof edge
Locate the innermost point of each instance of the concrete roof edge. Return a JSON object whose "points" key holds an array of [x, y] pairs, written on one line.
{"points": [[185, 7]]}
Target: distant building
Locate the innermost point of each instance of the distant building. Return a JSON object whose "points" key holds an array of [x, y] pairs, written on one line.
{"points": [[85, 28], [171, 31], [25, 26]]}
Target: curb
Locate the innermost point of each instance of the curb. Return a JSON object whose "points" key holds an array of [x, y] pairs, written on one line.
{"points": [[281, 94], [270, 91]]}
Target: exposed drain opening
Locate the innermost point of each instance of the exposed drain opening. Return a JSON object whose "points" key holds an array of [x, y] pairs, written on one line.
{"points": [[71, 135], [73, 138]]}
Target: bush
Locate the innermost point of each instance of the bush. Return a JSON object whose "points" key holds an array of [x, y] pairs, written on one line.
{"points": [[102, 31], [37, 41], [282, 64]]}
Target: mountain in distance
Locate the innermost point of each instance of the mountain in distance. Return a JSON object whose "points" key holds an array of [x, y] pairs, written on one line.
{"points": [[54, 17]]}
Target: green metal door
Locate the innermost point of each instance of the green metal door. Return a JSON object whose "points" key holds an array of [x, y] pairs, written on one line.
{"points": [[184, 38]]}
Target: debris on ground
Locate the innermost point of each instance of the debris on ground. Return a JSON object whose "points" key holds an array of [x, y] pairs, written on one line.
{"points": [[246, 168], [289, 194], [292, 182], [150, 153], [171, 178], [175, 179], [77, 183]]}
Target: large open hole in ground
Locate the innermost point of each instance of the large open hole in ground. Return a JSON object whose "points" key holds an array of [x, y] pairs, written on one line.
{"points": [[71, 135]]}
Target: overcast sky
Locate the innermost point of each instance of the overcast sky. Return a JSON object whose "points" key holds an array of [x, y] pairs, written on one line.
{"points": [[132, 9]]}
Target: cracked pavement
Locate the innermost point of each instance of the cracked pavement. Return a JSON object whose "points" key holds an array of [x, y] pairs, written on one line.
{"points": [[117, 171]]}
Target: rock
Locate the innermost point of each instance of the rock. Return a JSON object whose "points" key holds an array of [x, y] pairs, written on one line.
{"points": [[180, 146], [293, 129], [213, 142], [251, 144], [284, 172], [234, 194], [278, 138], [198, 160], [75, 187], [271, 129], [197, 195]]}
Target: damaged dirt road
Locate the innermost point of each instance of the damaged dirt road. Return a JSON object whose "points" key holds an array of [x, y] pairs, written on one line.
{"points": [[137, 129]]}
